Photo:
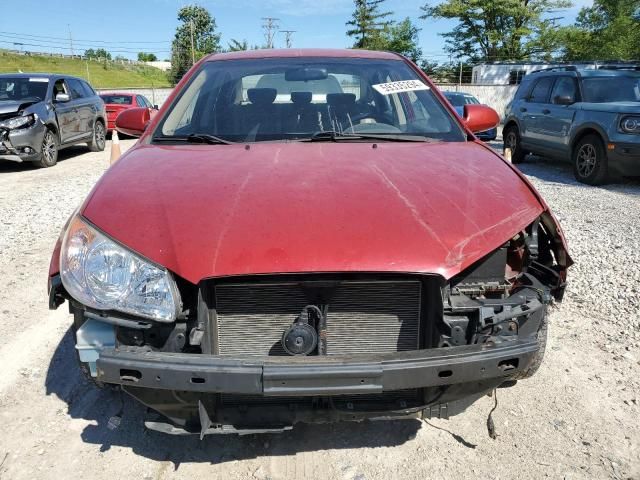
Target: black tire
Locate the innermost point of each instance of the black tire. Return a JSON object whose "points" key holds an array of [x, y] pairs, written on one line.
{"points": [[512, 140], [590, 163], [49, 154], [99, 138], [537, 360]]}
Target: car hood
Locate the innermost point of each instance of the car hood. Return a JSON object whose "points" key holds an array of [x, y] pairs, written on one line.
{"points": [[613, 107], [207, 211], [12, 106]]}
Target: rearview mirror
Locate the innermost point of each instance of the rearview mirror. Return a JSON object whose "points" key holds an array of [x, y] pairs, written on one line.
{"points": [[62, 97], [480, 118], [133, 121], [563, 100], [305, 74]]}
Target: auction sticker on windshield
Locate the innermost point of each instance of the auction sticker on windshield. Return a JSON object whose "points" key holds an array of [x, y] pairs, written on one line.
{"points": [[399, 87]]}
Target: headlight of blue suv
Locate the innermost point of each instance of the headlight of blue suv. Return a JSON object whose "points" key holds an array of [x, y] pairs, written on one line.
{"points": [[19, 122], [102, 274], [630, 124]]}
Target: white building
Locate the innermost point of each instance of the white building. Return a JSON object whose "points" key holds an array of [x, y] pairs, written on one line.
{"points": [[164, 66], [511, 73]]}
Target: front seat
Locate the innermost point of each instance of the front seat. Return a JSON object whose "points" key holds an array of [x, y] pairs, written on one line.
{"points": [[261, 116]]}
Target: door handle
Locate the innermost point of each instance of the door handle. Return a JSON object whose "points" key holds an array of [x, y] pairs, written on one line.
{"points": [[522, 109], [546, 111]]}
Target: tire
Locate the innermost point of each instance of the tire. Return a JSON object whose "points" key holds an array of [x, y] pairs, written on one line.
{"points": [[99, 138], [590, 163], [49, 154], [539, 356], [512, 141]]}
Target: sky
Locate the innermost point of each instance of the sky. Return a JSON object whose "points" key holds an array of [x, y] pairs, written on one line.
{"points": [[125, 27]]}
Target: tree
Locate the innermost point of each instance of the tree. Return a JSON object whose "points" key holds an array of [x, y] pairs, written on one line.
{"points": [[147, 57], [368, 23], [403, 38], [99, 54], [195, 37], [237, 45], [608, 30], [499, 29]]}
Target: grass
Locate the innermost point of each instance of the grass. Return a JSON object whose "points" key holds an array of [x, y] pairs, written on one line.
{"points": [[112, 75]]}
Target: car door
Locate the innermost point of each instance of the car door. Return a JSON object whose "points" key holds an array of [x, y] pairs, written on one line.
{"points": [[66, 112], [559, 113], [83, 104], [531, 111]]}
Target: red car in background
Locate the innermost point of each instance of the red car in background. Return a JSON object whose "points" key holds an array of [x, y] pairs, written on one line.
{"points": [[116, 102]]}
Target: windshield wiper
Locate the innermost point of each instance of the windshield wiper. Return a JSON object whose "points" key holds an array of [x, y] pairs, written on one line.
{"points": [[333, 136], [195, 138]]}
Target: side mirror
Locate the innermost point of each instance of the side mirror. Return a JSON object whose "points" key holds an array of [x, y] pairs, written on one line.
{"points": [[62, 97], [480, 118], [563, 100], [133, 121]]}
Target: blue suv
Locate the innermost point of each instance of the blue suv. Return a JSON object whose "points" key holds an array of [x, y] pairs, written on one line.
{"points": [[590, 117]]}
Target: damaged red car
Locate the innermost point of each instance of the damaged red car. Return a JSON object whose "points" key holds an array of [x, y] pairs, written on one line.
{"points": [[308, 236]]}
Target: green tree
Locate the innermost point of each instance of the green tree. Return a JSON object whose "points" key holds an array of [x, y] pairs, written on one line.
{"points": [[402, 38], [499, 29], [367, 23], [237, 45], [196, 23], [101, 53], [608, 30], [146, 57]]}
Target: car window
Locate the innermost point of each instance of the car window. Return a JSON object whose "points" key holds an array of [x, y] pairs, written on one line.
{"points": [[76, 88], [541, 90], [564, 87], [60, 87], [20, 88], [146, 101], [272, 99], [116, 99], [471, 100], [611, 89], [88, 91], [456, 99]]}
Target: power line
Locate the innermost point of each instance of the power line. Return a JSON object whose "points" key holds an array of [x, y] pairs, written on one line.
{"points": [[288, 35], [66, 40], [270, 27]]}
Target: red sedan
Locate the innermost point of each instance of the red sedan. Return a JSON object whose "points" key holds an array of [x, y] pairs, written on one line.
{"points": [[117, 102], [308, 236]]}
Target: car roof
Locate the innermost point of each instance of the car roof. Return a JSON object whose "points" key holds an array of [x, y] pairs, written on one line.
{"points": [[122, 94], [39, 75], [590, 72], [303, 52]]}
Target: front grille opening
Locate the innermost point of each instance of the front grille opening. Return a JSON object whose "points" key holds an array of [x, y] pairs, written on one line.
{"points": [[362, 316]]}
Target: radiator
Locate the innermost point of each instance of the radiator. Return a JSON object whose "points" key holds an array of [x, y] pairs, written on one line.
{"points": [[363, 317]]}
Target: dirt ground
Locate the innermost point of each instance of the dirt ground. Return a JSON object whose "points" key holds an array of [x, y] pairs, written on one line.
{"points": [[577, 418]]}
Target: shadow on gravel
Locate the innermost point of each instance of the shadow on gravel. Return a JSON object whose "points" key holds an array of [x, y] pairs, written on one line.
{"points": [[550, 170], [8, 166], [85, 401]]}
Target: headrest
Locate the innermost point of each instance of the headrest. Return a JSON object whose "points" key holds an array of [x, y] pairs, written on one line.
{"points": [[341, 99], [301, 98], [262, 96]]}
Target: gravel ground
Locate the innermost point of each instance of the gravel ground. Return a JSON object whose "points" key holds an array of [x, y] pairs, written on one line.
{"points": [[577, 418]]}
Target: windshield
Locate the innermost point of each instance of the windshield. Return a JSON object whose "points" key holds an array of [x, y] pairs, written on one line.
{"points": [[461, 99], [23, 89], [611, 89], [296, 98], [116, 99]]}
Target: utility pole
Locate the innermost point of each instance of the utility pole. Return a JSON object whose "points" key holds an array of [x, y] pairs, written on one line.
{"points": [[460, 79], [270, 27], [70, 39], [193, 52], [288, 34]]}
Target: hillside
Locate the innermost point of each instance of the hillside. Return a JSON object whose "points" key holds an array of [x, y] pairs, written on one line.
{"points": [[112, 75]]}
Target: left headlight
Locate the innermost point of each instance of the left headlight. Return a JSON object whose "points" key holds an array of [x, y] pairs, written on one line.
{"points": [[104, 275], [19, 122], [630, 124]]}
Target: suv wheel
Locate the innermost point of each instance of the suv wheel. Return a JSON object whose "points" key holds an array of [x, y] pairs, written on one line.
{"points": [[49, 155], [98, 141], [590, 163], [512, 141]]}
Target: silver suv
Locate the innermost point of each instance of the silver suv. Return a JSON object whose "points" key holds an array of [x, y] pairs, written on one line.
{"points": [[41, 114], [590, 117]]}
